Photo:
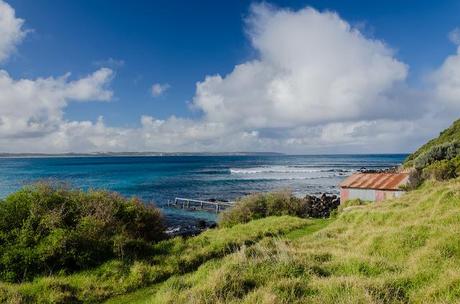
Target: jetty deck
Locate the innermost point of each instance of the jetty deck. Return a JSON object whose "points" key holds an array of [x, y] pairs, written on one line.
{"points": [[199, 205]]}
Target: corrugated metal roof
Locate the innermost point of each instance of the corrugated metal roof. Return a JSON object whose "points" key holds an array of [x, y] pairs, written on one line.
{"points": [[379, 181]]}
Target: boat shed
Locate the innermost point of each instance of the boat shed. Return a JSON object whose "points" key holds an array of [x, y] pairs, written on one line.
{"points": [[373, 186]]}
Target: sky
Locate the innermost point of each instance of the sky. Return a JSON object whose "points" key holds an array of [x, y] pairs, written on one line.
{"points": [[297, 77]]}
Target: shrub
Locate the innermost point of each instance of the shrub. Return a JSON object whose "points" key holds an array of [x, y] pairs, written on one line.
{"points": [[415, 179], [261, 205], [45, 229], [445, 151], [451, 134], [440, 170]]}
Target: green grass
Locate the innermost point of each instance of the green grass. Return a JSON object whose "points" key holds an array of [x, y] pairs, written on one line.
{"points": [[173, 257], [145, 295], [141, 296], [404, 250], [316, 225]]}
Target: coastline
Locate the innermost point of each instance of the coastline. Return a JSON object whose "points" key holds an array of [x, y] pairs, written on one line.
{"points": [[159, 179]]}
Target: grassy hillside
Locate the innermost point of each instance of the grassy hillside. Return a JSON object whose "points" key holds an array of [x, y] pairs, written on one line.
{"points": [[448, 135], [170, 257], [405, 250]]}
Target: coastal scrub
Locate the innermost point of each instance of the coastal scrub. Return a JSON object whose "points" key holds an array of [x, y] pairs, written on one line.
{"points": [[47, 229]]}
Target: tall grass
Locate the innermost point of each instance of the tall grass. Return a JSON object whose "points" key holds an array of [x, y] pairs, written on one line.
{"points": [[405, 250], [171, 257]]}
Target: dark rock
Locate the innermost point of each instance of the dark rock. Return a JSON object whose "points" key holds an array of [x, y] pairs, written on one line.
{"points": [[322, 206], [385, 170], [190, 230], [202, 224]]}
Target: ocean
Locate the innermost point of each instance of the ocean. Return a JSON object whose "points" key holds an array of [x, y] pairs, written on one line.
{"points": [[157, 179]]}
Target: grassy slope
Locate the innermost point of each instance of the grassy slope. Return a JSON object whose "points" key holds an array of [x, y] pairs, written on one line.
{"points": [[405, 250], [174, 257], [144, 295], [448, 135]]}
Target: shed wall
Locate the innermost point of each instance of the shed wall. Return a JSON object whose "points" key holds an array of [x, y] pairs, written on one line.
{"points": [[363, 194], [368, 194]]}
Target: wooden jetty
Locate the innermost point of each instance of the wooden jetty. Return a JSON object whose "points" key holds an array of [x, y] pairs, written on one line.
{"points": [[194, 204]]}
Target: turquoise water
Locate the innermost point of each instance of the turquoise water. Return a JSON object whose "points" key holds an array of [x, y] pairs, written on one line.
{"points": [[161, 178]]}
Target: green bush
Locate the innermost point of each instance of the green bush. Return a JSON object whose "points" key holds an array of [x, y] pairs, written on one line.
{"points": [[48, 229], [261, 205], [440, 170], [256, 206], [445, 151], [415, 179], [451, 134]]}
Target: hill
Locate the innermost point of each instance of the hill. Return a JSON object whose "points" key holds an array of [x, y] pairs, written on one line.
{"points": [[405, 250], [449, 135]]}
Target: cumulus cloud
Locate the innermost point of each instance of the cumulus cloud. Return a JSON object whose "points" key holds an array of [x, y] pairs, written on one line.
{"points": [[34, 107], [446, 82], [11, 31], [158, 89], [313, 68]]}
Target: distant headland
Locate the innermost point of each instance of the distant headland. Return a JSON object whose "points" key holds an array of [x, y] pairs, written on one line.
{"points": [[130, 154]]}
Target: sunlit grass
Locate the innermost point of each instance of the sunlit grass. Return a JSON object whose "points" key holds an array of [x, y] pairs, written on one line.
{"points": [[172, 257], [405, 250]]}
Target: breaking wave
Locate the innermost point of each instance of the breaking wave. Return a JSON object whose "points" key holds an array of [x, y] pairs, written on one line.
{"points": [[286, 172], [283, 169]]}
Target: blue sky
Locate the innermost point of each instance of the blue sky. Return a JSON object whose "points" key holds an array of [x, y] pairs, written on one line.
{"points": [[179, 43]]}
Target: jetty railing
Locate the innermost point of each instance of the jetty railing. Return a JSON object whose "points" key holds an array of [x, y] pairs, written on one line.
{"points": [[195, 204]]}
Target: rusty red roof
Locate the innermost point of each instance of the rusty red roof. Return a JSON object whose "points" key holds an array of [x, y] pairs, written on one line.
{"points": [[378, 181]]}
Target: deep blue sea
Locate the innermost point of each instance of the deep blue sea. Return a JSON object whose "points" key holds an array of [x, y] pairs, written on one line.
{"points": [[161, 178]]}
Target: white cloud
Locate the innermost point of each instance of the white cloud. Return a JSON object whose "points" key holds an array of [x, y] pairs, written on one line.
{"points": [[313, 68], [35, 107], [446, 82], [11, 31], [158, 89]]}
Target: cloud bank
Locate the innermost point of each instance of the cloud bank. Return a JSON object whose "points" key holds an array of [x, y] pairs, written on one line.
{"points": [[316, 85]]}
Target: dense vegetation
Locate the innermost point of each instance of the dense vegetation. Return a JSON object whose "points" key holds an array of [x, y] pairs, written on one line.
{"points": [[405, 250], [261, 205], [170, 257], [439, 159], [48, 229], [449, 135]]}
